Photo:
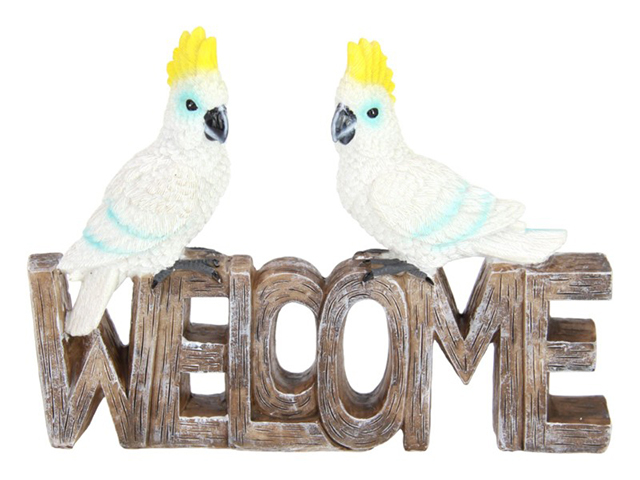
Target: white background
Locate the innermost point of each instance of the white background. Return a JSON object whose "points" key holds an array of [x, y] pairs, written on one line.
{"points": [[535, 101]]}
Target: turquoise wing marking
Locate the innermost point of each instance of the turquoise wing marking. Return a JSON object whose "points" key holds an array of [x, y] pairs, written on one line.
{"points": [[447, 215], [102, 246], [108, 233], [129, 230], [487, 204]]}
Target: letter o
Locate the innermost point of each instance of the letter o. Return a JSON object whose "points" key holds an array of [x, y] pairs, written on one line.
{"points": [[277, 393], [355, 420]]}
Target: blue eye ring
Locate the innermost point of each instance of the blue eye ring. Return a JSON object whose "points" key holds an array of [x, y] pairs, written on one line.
{"points": [[191, 105], [371, 114]]}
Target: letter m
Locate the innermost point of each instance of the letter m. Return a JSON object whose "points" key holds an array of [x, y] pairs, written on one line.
{"points": [[510, 307]]}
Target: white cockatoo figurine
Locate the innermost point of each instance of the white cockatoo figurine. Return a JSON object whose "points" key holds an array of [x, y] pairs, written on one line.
{"points": [[163, 196], [422, 211]]}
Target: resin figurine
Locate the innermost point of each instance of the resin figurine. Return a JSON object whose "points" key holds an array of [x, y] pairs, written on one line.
{"points": [[164, 195], [422, 211]]}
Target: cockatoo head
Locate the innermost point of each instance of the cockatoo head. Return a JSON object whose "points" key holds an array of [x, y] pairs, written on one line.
{"points": [[365, 119], [197, 112]]}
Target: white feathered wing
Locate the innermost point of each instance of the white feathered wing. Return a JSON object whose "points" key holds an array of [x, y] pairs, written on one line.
{"points": [[431, 207], [141, 227]]}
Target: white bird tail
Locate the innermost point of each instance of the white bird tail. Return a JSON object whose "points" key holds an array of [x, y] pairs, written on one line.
{"points": [[95, 292], [528, 246]]}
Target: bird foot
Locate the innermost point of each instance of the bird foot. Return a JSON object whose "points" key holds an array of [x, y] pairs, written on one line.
{"points": [[208, 267], [368, 255], [392, 266]]}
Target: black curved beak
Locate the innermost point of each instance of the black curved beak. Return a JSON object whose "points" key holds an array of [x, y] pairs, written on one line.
{"points": [[216, 124], [343, 125]]}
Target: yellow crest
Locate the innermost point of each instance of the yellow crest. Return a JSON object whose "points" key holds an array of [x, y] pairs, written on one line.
{"points": [[367, 64], [195, 53]]}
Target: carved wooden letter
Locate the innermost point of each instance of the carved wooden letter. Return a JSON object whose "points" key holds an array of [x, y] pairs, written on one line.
{"points": [[355, 420], [279, 394]]}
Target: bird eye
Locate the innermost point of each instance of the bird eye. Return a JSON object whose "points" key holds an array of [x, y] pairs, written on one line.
{"points": [[191, 105], [372, 113]]}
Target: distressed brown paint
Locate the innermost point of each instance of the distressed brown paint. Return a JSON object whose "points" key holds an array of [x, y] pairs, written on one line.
{"points": [[264, 407]]}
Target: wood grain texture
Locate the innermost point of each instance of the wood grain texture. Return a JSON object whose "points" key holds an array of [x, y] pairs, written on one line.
{"points": [[263, 407], [571, 345], [561, 424], [352, 419], [277, 393], [417, 409], [249, 429]]}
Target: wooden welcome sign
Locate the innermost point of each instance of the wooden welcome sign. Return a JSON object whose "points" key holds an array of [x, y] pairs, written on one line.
{"points": [[146, 384]]}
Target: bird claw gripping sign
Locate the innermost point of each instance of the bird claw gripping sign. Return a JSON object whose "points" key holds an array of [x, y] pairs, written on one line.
{"points": [[422, 211], [263, 407]]}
